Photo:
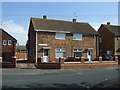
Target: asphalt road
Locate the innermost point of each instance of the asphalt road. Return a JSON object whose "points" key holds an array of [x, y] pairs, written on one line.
{"points": [[65, 78]]}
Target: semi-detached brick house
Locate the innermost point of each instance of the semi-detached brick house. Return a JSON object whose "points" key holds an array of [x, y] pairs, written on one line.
{"points": [[110, 39], [51, 39], [21, 52], [7, 46]]}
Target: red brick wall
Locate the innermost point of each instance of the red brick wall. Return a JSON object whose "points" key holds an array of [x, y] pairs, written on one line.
{"points": [[31, 46], [107, 39], [21, 56], [8, 50], [69, 44]]}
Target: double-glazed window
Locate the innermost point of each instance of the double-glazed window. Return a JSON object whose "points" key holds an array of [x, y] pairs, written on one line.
{"points": [[60, 36], [60, 53], [9, 42], [77, 53], [77, 36], [5, 42]]}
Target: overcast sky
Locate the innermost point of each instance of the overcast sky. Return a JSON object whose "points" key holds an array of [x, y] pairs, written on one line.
{"points": [[16, 15]]}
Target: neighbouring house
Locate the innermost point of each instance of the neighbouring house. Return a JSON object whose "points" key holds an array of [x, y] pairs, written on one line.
{"points": [[109, 40], [21, 52], [7, 46], [54, 39]]}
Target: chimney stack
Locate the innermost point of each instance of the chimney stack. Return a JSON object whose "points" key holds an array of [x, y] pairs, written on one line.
{"points": [[74, 20], [44, 17], [108, 23]]}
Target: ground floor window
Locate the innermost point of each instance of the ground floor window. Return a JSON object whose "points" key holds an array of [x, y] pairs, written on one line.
{"points": [[77, 53], [60, 52]]}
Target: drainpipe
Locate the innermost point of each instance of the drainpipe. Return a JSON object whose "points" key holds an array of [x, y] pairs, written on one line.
{"points": [[97, 45], [36, 45]]}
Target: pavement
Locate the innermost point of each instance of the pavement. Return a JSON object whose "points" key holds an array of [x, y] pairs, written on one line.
{"points": [[100, 77]]}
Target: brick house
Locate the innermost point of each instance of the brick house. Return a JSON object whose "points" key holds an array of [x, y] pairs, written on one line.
{"points": [[21, 52], [52, 39], [8, 45], [109, 39]]}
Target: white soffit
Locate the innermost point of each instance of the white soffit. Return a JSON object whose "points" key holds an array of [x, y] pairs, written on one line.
{"points": [[51, 31]]}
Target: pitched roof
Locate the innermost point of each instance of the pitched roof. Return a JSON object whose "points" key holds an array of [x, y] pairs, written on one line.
{"points": [[59, 25], [21, 47], [8, 34], [114, 29]]}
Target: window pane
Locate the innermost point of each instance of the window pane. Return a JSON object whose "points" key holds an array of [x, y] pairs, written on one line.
{"points": [[60, 50], [80, 50], [60, 54], [9, 42], [77, 54], [60, 35], [4, 42], [45, 52], [77, 36], [57, 50], [75, 50]]}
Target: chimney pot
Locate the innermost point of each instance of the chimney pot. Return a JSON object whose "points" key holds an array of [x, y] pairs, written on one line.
{"points": [[44, 17], [74, 20], [108, 23]]}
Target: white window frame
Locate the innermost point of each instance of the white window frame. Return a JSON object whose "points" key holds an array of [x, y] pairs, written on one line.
{"points": [[62, 50], [77, 50], [9, 42], [4, 42], [76, 34], [63, 38]]}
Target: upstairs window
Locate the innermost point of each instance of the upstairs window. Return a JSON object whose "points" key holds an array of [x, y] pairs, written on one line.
{"points": [[60, 53], [9, 42], [60, 36], [77, 36], [4, 42], [77, 53]]}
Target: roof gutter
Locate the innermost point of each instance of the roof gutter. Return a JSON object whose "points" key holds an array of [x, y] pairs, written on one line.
{"points": [[51, 31]]}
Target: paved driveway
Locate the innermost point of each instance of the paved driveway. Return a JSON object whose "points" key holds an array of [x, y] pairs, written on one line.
{"points": [[61, 78]]}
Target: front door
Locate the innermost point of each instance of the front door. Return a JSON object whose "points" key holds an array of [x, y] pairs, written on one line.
{"points": [[46, 55], [89, 53]]}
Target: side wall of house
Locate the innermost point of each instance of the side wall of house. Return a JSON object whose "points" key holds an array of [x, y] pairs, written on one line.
{"points": [[8, 50], [107, 39], [69, 44], [31, 44]]}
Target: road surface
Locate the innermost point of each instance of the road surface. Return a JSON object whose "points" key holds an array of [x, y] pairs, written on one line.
{"points": [[61, 78]]}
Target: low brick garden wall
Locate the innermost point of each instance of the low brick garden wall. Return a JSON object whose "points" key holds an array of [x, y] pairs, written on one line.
{"points": [[49, 65], [11, 64], [82, 64], [88, 64], [60, 64]]}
